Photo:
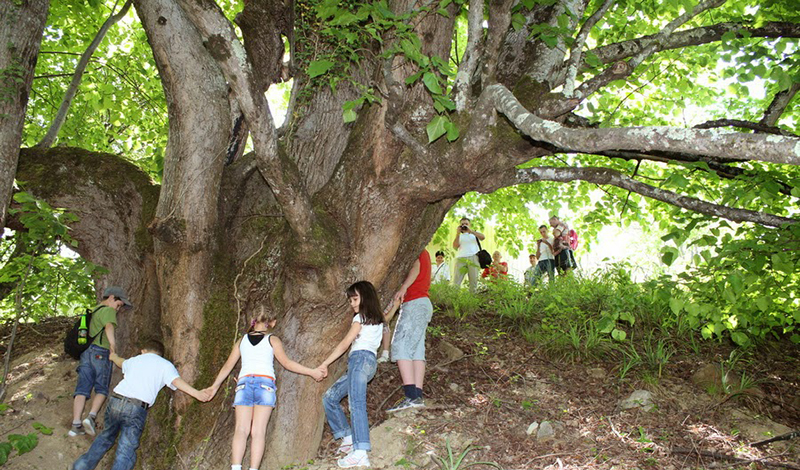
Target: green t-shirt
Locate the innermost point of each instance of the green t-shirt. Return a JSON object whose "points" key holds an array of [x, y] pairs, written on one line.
{"points": [[100, 319]]}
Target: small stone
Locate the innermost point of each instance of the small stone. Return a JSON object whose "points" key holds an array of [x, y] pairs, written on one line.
{"points": [[450, 352], [638, 399], [456, 387], [545, 431], [532, 428], [597, 373]]}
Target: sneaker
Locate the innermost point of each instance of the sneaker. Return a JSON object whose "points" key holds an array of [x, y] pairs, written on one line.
{"points": [[384, 357], [345, 449], [352, 461], [418, 403], [77, 430], [404, 404], [89, 424]]}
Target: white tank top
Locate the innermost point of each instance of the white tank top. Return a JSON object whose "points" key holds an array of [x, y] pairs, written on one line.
{"points": [[258, 359]]}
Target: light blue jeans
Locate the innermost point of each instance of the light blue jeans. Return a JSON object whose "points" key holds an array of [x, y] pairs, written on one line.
{"points": [[361, 367], [122, 418]]}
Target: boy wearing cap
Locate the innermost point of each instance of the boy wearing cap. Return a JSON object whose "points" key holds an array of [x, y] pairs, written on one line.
{"points": [[94, 370]]}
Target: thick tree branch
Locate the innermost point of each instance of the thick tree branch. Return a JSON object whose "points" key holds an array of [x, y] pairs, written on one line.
{"points": [[50, 137], [280, 173], [735, 146], [620, 180], [622, 69], [779, 103], [467, 67], [499, 21], [691, 37], [576, 54], [758, 127]]}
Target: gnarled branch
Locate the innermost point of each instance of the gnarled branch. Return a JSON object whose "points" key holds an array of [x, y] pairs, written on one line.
{"points": [[779, 103], [281, 174], [758, 127], [466, 69], [620, 180], [709, 143], [576, 54]]}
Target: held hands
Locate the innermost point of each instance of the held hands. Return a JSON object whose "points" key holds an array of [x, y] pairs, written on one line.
{"points": [[209, 392], [204, 395], [320, 372], [398, 297]]}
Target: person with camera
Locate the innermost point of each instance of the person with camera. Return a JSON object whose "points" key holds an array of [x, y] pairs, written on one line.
{"points": [[466, 242]]}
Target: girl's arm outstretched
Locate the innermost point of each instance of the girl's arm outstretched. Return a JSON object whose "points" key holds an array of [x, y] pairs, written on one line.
{"points": [[341, 348], [288, 364], [233, 358]]}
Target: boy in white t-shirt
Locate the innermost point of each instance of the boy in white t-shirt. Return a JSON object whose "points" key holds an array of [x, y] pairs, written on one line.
{"points": [[144, 376]]}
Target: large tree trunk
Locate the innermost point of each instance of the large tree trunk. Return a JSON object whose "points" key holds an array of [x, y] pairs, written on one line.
{"points": [[21, 26]]}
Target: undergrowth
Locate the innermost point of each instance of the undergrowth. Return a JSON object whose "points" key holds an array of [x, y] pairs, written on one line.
{"points": [[601, 316]]}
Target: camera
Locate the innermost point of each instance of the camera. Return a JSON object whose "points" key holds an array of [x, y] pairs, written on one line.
{"points": [[464, 229]]}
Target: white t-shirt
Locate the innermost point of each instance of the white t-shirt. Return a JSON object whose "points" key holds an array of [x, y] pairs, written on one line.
{"points": [[467, 245], [441, 272], [258, 359], [144, 376], [544, 251], [369, 339]]}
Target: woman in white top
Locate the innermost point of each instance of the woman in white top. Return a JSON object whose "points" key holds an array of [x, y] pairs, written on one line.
{"points": [[365, 334], [255, 387], [441, 272]]}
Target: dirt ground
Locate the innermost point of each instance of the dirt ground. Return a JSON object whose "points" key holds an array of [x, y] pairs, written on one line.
{"points": [[486, 400]]}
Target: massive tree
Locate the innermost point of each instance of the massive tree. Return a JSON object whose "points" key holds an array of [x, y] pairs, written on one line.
{"points": [[397, 109]]}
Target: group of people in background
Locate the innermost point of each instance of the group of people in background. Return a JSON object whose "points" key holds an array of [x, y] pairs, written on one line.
{"points": [[256, 390], [553, 254]]}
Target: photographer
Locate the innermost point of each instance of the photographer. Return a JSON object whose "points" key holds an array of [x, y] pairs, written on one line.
{"points": [[466, 242]]}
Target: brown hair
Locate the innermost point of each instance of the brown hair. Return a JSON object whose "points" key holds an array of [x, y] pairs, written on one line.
{"points": [[263, 315], [154, 346]]}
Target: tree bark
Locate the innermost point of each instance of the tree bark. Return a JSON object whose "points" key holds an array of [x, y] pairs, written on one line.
{"points": [[21, 27]]}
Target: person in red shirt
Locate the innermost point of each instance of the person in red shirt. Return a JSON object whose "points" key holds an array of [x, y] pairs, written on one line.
{"points": [[498, 268], [408, 342]]}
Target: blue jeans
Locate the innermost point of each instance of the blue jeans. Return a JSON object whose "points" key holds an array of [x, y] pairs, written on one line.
{"points": [[94, 371], [253, 390], [545, 266], [122, 418], [361, 367]]}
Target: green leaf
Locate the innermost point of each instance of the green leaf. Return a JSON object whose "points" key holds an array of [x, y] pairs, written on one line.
{"points": [[676, 305], [606, 324], [628, 317], [618, 334], [517, 21], [349, 115], [436, 128], [452, 131], [24, 444], [319, 67], [5, 451], [413, 78], [42, 428], [432, 83], [740, 338]]}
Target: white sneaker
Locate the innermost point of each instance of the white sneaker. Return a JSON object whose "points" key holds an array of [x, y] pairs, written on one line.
{"points": [[345, 449], [89, 425], [384, 357], [352, 460]]}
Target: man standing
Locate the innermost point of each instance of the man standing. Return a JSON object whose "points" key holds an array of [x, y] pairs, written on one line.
{"points": [[466, 242], [408, 343]]}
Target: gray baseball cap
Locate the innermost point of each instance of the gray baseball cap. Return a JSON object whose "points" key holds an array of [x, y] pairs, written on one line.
{"points": [[119, 293]]}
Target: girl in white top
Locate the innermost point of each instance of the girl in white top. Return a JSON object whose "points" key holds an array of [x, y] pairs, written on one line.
{"points": [[255, 387], [363, 339]]}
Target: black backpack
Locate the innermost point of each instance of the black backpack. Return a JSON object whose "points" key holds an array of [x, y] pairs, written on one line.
{"points": [[78, 340]]}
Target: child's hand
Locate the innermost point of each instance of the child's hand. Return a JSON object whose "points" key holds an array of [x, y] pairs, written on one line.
{"points": [[317, 374], [204, 395], [210, 392], [324, 370]]}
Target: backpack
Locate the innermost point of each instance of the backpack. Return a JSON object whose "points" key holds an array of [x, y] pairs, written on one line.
{"points": [[77, 340], [573, 239], [484, 258]]}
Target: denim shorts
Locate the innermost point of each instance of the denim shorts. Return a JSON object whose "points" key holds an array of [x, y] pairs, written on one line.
{"points": [[408, 342], [251, 390], [94, 371]]}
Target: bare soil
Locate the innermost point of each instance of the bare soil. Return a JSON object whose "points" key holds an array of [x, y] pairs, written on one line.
{"points": [[488, 398]]}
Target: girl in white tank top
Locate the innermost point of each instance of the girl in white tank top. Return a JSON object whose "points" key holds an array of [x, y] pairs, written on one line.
{"points": [[255, 386]]}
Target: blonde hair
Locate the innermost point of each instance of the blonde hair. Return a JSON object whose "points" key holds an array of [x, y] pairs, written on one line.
{"points": [[262, 316]]}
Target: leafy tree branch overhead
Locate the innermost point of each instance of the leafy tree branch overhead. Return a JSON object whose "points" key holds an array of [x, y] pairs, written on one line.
{"points": [[394, 111]]}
